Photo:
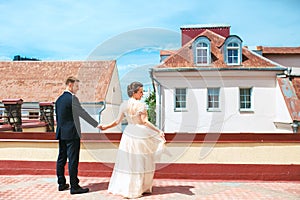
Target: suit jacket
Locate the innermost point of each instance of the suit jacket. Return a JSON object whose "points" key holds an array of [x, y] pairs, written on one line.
{"points": [[68, 110]]}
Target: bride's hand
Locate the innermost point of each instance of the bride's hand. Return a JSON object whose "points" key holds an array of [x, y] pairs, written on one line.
{"points": [[162, 135], [102, 127]]}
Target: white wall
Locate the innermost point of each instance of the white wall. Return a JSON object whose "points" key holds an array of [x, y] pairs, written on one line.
{"points": [[93, 110], [229, 119], [109, 115], [286, 60], [114, 94], [113, 100]]}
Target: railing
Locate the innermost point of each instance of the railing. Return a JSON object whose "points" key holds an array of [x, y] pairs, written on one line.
{"points": [[12, 119]]}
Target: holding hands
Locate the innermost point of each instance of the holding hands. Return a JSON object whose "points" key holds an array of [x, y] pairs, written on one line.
{"points": [[162, 135], [102, 127]]}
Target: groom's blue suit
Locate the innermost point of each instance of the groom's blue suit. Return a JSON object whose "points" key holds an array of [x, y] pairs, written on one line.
{"points": [[68, 132]]}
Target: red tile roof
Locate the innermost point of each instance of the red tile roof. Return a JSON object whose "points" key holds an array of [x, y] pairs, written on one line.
{"points": [[279, 50], [41, 81], [291, 93], [296, 84], [183, 58]]}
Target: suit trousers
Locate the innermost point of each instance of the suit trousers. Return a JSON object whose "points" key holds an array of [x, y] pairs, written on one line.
{"points": [[68, 149]]}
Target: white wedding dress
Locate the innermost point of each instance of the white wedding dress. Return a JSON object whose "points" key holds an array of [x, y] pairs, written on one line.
{"points": [[139, 148]]}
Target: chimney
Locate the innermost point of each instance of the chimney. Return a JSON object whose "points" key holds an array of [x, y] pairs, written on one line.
{"points": [[189, 32]]}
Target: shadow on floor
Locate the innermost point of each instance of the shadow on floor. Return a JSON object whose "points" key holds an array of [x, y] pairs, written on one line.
{"points": [[172, 189], [95, 187]]}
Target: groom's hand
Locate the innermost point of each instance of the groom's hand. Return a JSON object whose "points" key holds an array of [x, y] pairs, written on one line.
{"points": [[101, 127]]}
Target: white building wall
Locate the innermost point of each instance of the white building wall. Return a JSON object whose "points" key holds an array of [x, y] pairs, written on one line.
{"points": [[109, 114], [286, 60], [93, 110], [113, 101], [229, 119]]}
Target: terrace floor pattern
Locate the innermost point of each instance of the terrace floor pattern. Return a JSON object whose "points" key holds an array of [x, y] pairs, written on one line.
{"points": [[27, 187]]}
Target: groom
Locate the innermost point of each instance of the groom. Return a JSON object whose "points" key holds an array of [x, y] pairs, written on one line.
{"points": [[68, 132]]}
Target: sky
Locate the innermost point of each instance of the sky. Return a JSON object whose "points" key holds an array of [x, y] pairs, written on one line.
{"points": [[71, 30], [75, 30]]}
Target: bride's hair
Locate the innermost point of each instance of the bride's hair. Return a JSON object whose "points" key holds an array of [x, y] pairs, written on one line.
{"points": [[133, 88]]}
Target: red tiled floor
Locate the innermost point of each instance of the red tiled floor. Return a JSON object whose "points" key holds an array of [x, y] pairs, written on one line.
{"points": [[27, 187]]}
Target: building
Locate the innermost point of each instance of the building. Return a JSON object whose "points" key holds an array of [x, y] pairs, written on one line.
{"points": [[290, 84], [287, 56], [215, 84], [226, 88], [44, 81]]}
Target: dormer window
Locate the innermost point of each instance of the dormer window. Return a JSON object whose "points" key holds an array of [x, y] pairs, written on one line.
{"points": [[201, 49], [233, 53], [233, 50], [201, 53]]}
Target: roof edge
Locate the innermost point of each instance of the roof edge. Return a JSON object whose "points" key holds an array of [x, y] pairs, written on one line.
{"points": [[205, 26], [182, 69]]}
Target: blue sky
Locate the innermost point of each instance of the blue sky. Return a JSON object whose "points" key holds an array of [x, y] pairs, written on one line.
{"points": [[73, 30]]}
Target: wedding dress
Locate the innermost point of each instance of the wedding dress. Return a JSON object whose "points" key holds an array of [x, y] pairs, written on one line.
{"points": [[139, 148]]}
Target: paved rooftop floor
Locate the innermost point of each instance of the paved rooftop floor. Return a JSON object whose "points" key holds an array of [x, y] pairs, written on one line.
{"points": [[14, 187]]}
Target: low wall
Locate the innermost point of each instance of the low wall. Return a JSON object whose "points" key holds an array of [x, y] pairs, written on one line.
{"points": [[199, 156]]}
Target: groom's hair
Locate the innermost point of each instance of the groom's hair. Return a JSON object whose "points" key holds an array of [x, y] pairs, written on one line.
{"points": [[71, 79]]}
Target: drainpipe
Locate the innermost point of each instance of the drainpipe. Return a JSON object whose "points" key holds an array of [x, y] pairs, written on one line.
{"points": [[103, 106], [295, 126], [159, 97]]}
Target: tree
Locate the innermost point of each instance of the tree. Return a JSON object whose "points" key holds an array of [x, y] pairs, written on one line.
{"points": [[151, 102]]}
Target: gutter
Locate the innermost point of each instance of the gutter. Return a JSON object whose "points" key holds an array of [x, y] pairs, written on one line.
{"points": [[159, 97]]}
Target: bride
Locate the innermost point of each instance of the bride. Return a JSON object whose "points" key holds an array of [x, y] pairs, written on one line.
{"points": [[141, 142]]}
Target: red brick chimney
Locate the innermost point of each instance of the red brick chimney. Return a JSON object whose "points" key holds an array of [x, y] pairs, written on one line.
{"points": [[188, 32]]}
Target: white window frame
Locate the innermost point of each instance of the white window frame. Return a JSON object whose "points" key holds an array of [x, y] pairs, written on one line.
{"points": [[201, 47], [176, 109], [218, 109], [195, 46], [233, 49], [250, 109], [237, 47]]}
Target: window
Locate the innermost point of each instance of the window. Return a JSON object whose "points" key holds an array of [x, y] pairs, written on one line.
{"points": [[201, 53], [245, 99], [232, 49], [201, 49], [180, 98], [213, 99], [233, 53]]}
